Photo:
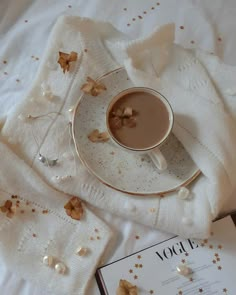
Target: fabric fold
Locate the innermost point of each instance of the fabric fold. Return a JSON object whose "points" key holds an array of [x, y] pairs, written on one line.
{"points": [[203, 125]]}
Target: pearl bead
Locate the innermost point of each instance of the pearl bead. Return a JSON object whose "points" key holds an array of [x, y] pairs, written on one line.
{"points": [[187, 221], [183, 270], [82, 251], [183, 193], [48, 260], [60, 268]]}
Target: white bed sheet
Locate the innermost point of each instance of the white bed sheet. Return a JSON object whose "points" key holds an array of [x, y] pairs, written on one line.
{"points": [[24, 29]]}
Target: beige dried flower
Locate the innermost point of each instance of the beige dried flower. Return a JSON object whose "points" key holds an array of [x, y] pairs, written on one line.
{"points": [[8, 209], [65, 59], [74, 208], [93, 87], [126, 288], [96, 136]]}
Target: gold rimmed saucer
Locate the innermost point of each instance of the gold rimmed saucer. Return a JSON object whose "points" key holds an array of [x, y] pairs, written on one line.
{"points": [[116, 168]]}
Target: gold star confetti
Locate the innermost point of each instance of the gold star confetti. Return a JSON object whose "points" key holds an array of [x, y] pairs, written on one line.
{"points": [[139, 256], [130, 271], [225, 290], [220, 247], [183, 260], [135, 277], [219, 267], [136, 265]]}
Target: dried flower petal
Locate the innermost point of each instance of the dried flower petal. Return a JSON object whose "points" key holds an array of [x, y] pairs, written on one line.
{"points": [[126, 288], [96, 136], [128, 112], [74, 208], [92, 87], [8, 209], [115, 123], [65, 59], [129, 122]]}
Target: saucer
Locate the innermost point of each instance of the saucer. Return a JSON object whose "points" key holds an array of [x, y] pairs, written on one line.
{"points": [[117, 168]]}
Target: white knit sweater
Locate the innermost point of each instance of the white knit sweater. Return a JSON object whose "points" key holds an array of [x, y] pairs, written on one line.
{"points": [[187, 78]]}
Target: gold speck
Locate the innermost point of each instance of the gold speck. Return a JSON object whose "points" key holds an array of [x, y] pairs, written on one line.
{"points": [[153, 8], [34, 235], [219, 267], [136, 265], [96, 230], [85, 50], [183, 260], [33, 210], [5, 62], [135, 277], [152, 210], [213, 261], [137, 237], [200, 290], [205, 241], [130, 271], [216, 254], [139, 256], [140, 265], [91, 238], [211, 246], [98, 238], [151, 292], [186, 254], [220, 247]]}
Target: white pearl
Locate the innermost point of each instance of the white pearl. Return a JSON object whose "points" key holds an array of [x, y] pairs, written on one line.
{"points": [[183, 193], [48, 260], [82, 251], [71, 110], [187, 221], [56, 179], [183, 270], [60, 268]]}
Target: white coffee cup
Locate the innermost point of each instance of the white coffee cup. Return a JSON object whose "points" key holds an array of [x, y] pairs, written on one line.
{"points": [[153, 151]]}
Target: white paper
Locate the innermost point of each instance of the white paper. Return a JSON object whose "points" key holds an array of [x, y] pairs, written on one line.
{"points": [[153, 270]]}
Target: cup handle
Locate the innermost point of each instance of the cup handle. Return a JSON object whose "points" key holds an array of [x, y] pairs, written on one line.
{"points": [[158, 159]]}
